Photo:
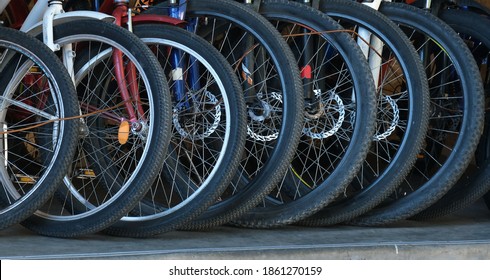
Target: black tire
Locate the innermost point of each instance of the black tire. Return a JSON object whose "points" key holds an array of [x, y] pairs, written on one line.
{"points": [[456, 120], [334, 142], [393, 155], [89, 201], [475, 183], [32, 168], [218, 153], [256, 176]]}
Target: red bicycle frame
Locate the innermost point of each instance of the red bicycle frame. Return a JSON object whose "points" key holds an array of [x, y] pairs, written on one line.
{"points": [[125, 75], [121, 12]]}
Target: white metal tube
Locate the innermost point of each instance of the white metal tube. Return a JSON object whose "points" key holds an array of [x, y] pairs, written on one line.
{"points": [[3, 4], [48, 25], [374, 4], [375, 60], [35, 15]]}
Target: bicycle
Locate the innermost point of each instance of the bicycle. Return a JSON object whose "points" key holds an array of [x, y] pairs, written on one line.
{"points": [[128, 119], [456, 119], [339, 111], [209, 125], [273, 94], [403, 108], [470, 20], [37, 103]]}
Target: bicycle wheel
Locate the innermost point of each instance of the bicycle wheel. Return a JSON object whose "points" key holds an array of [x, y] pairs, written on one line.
{"points": [[475, 182], [119, 153], [273, 94], [36, 142], [340, 112], [456, 118], [208, 138], [403, 107]]}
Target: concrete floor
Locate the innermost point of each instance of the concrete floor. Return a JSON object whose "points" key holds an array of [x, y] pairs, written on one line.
{"points": [[463, 235]]}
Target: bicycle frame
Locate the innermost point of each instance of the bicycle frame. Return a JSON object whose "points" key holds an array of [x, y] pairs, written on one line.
{"points": [[123, 14], [3, 4], [427, 5], [18, 12], [374, 45], [177, 10], [46, 14]]}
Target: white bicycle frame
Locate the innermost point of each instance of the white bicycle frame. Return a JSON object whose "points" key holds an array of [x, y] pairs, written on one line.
{"points": [[3, 4], [48, 13]]}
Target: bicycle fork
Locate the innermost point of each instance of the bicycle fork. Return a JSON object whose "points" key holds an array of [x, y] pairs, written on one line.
{"points": [[177, 10], [131, 95]]}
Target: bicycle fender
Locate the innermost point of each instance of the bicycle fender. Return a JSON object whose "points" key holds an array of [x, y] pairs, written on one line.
{"points": [[69, 17]]}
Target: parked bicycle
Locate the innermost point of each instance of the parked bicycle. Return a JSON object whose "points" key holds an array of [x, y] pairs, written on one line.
{"points": [[126, 120], [37, 103]]}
